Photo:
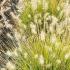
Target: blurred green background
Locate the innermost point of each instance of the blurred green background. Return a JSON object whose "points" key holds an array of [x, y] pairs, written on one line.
{"points": [[45, 43]]}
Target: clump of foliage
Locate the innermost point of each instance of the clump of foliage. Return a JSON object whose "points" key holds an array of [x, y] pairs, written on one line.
{"points": [[45, 43]]}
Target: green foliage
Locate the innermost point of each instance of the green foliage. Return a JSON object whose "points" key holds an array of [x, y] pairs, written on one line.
{"points": [[44, 54]]}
